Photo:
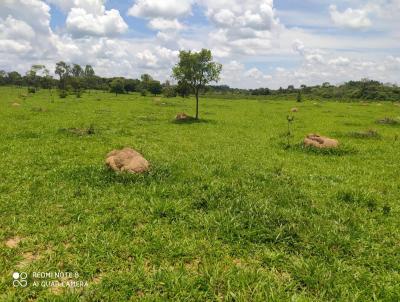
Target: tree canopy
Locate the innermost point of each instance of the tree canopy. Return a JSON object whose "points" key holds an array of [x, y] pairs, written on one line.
{"points": [[196, 69]]}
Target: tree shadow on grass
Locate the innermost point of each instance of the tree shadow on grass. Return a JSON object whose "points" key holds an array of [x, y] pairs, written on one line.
{"points": [[192, 120]]}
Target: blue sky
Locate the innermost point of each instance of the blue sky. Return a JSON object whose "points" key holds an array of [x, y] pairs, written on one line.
{"points": [[260, 42]]}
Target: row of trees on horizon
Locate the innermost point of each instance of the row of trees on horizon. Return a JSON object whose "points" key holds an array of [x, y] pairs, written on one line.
{"points": [[75, 79]]}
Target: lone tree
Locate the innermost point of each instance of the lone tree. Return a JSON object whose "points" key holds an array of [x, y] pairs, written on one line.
{"points": [[196, 69], [299, 98], [117, 86], [63, 70], [155, 87]]}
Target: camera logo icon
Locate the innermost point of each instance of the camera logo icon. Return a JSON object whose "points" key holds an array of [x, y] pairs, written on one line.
{"points": [[20, 279]]}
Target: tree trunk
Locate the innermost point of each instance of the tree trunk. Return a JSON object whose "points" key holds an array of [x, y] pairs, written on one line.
{"points": [[197, 104]]}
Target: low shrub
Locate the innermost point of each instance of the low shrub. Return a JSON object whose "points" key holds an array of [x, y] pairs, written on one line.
{"points": [[63, 94]]}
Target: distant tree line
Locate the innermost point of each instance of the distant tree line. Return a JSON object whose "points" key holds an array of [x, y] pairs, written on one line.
{"points": [[364, 89], [75, 79]]}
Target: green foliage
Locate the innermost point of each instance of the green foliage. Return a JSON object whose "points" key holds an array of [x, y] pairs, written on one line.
{"points": [[183, 89], [299, 97], [132, 85], [63, 70], [62, 93], [146, 79], [169, 91], [196, 69], [117, 86], [155, 87]]}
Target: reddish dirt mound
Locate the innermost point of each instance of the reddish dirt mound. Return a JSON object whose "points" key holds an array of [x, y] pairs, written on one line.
{"points": [[315, 140], [182, 117], [127, 160], [13, 242]]}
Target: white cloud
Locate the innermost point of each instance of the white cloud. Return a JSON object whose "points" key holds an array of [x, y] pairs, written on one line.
{"points": [[256, 74], [242, 26], [241, 34], [90, 18], [340, 61], [11, 46], [91, 6], [310, 55], [165, 24], [350, 18], [25, 31], [103, 23], [15, 29], [34, 12], [159, 58], [170, 9]]}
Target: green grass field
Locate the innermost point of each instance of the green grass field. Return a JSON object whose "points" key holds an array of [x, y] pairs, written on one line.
{"points": [[227, 213]]}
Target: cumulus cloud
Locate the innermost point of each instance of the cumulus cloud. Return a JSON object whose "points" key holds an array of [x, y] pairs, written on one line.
{"points": [[246, 26], [240, 33], [165, 24], [340, 61], [104, 23], [163, 17], [310, 55], [160, 57], [25, 30], [34, 12], [256, 74], [90, 18], [11, 28], [171, 9], [350, 18]]}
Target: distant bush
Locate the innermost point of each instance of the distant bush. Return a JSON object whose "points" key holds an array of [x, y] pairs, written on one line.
{"points": [[63, 94], [365, 134], [143, 92], [388, 121], [169, 92], [31, 90]]}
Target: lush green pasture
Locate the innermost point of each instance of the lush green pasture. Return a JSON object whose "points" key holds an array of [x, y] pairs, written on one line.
{"points": [[227, 213]]}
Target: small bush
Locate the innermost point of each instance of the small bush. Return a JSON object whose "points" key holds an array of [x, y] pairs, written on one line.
{"points": [[365, 134], [143, 92], [169, 92], [63, 94], [388, 121], [31, 90]]}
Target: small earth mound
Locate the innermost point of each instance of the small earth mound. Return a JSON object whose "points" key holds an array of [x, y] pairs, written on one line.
{"points": [[183, 117], [317, 141], [127, 160], [13, 242], [294, 110], [16, 104]]}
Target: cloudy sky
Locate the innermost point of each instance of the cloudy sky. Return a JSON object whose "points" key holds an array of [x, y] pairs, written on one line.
{"points": [[260, 42]]}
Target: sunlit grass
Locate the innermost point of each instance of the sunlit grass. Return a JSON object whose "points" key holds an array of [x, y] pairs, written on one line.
{"points": [[228, 211]]}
